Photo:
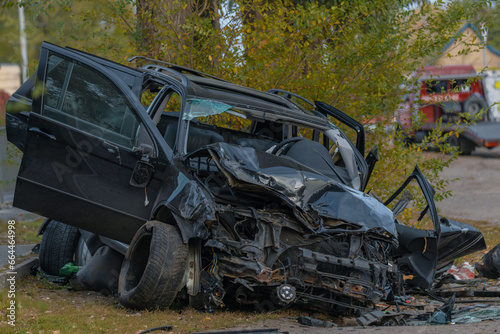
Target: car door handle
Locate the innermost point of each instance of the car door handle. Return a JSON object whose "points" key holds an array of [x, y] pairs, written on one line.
{"points": [[42, 133], [113, 149]]}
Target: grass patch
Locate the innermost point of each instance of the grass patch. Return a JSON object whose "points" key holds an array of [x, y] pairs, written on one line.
{"points": [[26, 232], [45, 307]]}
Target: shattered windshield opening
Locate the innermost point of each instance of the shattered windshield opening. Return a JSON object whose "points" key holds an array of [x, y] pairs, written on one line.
{"points": [[324, 149], [203, 108], [210, 122]]}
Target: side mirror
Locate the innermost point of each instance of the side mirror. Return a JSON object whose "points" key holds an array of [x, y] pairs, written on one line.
{"points": [[143, 149], [142, 174]]}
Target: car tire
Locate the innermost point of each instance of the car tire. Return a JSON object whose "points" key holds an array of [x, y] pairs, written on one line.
{"points": [[153, 269], [465, 146], [474, 104], [59, 242]]}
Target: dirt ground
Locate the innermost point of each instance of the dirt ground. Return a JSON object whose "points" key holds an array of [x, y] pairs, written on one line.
{"points": [[476, 194]]}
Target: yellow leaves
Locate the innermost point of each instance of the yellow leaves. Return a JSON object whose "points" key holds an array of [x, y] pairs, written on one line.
{"points": [[210, 57]]}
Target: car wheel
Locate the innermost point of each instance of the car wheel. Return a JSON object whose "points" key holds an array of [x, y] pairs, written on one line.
{"points": [[473, 105], [465, 146], [153, 269], [58, 245]]}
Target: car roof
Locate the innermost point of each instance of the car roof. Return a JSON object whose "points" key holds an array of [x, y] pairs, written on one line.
{"points": [[203, 86]]}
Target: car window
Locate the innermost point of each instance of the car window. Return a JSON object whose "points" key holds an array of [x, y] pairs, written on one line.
{"points": [[173, 102], [434, 86], [217, 114], [81, 97], [460, 85], [170, 102]]}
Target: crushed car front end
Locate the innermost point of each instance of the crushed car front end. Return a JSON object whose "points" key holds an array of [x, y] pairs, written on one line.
{"points": [[285, 233]]}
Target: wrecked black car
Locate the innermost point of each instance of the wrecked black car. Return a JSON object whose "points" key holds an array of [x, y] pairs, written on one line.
{"points": [[213, 191]]}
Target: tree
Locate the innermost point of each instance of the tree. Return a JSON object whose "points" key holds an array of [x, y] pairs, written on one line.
{"points": [[102, 27]]}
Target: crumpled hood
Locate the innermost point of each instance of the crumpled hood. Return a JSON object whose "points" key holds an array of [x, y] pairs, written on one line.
{"points": [[307, 189]]}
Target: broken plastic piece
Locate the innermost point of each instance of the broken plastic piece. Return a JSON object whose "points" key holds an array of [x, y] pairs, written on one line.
{"points": [[383, 318], [437, 318], [68, 269], [443, 314], [100, 273], [308, 321], [462, 272]]}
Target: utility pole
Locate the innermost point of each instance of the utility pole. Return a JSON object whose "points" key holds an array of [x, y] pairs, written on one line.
{"points": [[484, 33], [22, 39]]}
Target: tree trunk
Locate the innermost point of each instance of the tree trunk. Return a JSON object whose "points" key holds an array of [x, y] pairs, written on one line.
{"points": [[164, 26]]}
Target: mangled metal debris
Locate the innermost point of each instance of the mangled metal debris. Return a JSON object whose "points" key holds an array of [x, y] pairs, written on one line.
{"points": [[490, 266], [309, 321], [442, 315], [215, 192], [383, 318]]}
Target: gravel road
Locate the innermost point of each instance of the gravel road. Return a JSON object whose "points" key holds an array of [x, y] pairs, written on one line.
{"points": [[476, 196]]}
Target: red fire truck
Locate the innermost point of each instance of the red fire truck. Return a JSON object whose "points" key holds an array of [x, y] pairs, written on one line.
{"points": [[444, 93]]}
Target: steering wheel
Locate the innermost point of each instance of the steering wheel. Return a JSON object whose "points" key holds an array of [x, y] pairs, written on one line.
{"points": [[286, 142]]}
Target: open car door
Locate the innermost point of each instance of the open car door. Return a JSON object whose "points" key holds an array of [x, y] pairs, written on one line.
{"points": [[87, 133]]}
